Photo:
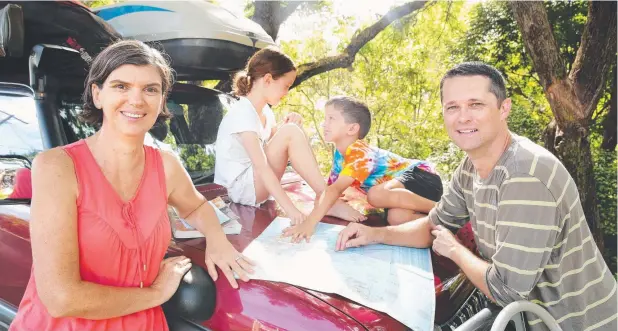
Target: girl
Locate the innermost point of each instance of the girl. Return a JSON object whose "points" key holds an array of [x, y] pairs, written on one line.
{"points": [[252, 151]]}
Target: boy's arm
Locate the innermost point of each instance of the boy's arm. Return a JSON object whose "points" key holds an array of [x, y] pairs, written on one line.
{"points": [[329, 197], [326, 201]]}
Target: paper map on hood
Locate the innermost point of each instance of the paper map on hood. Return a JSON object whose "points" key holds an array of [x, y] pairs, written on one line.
{"points": [[395, 280]]}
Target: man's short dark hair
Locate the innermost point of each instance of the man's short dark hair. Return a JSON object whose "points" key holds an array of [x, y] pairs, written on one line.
{"points": [[353, 111], [497, 86]]}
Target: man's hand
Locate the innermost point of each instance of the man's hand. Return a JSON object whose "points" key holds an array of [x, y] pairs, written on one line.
{"points": [[300, 231], [355, 235], [293, 118], [445, 243], [221, 253]]}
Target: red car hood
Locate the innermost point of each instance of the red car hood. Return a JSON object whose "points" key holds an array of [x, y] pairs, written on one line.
{"points": [[451, 287], [273, 305], [256, 305]]}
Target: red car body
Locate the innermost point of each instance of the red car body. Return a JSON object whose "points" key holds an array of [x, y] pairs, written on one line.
{"points": [[257, 304]]}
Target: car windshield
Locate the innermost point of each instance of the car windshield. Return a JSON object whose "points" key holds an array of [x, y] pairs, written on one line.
{"points": [[20, 141], [190, 134], [19, 128]]}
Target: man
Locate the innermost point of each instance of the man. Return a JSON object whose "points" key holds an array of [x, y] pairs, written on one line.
{"points": [[524, 209]]}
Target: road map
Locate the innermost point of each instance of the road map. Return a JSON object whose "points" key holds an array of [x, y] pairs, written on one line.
{"points": [[395, 280]]}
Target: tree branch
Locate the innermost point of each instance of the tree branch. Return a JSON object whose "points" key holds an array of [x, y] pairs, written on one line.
{"points": [[345, 59], [539, 40], [594, 56]]}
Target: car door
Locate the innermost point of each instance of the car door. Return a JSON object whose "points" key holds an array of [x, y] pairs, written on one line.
{"points": [[20, 142]]}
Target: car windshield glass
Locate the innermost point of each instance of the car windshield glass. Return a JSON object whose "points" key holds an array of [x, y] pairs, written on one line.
{"points": [[20, 141], [190, 134], [19, 127]]}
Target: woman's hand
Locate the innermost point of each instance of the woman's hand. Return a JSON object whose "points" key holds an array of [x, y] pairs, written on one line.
{"points": [[171, 272], [221, 253]]}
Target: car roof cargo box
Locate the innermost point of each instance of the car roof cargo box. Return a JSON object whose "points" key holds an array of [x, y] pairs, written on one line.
{"points": [[64, 23], [203, 40]]}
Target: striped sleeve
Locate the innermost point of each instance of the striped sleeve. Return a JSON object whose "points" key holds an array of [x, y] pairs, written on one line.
{"points": [[451, 211], [527, 227]]}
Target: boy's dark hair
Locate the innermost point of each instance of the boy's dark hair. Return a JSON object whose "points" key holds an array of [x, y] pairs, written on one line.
{"points": [[353, 111], [111, 58], [268, 60], [497, 86]]}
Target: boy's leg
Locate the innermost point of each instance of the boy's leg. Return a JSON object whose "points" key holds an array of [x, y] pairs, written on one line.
{"points": [[415, 190], [398, 216], [344, 211], [290, 143]]}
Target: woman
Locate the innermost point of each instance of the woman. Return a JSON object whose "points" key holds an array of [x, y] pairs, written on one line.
{"points": [[99, 226]]}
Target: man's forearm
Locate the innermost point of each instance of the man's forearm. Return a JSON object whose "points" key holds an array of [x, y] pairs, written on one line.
{"points": [[415, 233], [474, 268]]}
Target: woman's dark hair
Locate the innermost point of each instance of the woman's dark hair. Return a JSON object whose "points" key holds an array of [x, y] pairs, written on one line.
{"points": [[111, 58], [268, 60]]}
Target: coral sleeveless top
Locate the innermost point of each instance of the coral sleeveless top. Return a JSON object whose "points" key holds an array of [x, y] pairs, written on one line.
{"points": [[121, 243]]}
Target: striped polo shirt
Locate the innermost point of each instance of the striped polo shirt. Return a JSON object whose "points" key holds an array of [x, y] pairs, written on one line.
{"points": [[529, 224]]}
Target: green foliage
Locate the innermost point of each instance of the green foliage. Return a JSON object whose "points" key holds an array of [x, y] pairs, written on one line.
{"points": [[196, 158], [100, 3], [397, 74]]}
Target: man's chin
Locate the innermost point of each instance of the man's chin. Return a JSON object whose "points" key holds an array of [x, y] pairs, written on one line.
{"points": [[467, 147]]}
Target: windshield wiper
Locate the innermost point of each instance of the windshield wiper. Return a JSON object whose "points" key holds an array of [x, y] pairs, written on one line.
{"points": [[15, 156], [203, 178], [9, 201], [9, 116]]}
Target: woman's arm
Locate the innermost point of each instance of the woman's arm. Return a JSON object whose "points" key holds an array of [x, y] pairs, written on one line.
{"points": [[55, 252], [195, 209]]}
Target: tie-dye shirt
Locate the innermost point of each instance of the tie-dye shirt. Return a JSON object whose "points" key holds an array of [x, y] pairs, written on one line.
{"points": [[371, 166]]}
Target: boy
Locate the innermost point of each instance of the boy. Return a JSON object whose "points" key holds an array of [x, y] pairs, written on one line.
{"points": [[405, 187]]}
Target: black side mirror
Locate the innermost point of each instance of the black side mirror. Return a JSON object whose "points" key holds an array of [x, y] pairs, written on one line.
{"points": [[195, 298], [11, 31]]}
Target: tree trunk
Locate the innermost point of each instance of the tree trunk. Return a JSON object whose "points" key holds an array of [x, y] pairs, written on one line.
{"points": [[572, 147], [573, 96], [609, 123], [271, 14]]}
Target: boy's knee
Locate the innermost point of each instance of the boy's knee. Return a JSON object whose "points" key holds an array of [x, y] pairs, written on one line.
{"points": [[374, 196], [398, 216]]}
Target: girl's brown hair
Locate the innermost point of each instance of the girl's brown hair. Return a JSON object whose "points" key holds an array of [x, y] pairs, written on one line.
{"points": [[268, 60], [111, 58]]}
